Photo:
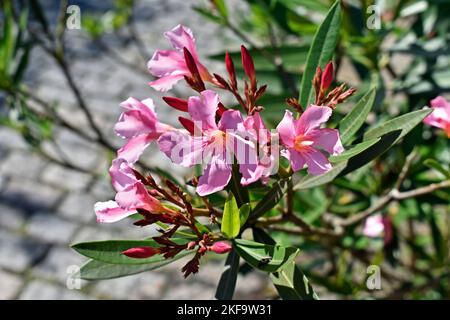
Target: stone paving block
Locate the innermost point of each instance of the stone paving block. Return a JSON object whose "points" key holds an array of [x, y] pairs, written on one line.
{"points": [[11, 139], [10, 217], [191, 291], [102, 190], [78, 206], [30, 196], [95, 233], [120, 288], [22, 164], [42, 290], [58, 263], [18, 253], [64, 178], [50, 228], [149, 285], [10, 285]]}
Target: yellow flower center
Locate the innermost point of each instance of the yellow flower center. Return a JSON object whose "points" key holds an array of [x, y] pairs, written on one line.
{"points": [[301, 143]]}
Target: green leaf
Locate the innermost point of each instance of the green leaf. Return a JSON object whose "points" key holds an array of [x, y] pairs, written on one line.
{"points": [[244, 212], [314, 181], [265, 257], [98, 270], [230, 219], [208, 14], [111, 251], [353, 150], [227, 282], [437, 166], [292, 284], [321, 51], [271, 199], [356, 117], [221, 7], [404, 123]]}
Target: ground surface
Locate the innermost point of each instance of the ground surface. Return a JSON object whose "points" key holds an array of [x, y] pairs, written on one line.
{"points": [[45, 207]]}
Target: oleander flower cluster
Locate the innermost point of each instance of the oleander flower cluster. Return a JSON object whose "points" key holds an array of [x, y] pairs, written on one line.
{"points": [[227, 139]]}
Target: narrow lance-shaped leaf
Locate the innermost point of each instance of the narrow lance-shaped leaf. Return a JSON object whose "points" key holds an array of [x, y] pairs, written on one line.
{"points": [[98, 270], [356, 117], [292, 284], [111, 251], [270, 200], [264, 257], [227, 282], [321, 51], [230, 219], [354, 150], [244, 212]]}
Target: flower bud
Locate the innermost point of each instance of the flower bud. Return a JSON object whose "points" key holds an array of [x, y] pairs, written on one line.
{"points": [[177, 103], [220, 247], [327, 76], [141, 252], [249, 67]]}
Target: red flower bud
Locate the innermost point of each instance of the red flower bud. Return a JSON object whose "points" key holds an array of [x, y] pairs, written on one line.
{"points": [[249, 67], [187, 124], [177, 103], [221, 109], [231, 71], [220, 247], [141, 252], [327, 76]]}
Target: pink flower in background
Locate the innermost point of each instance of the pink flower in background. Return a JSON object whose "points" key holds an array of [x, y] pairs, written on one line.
{"points": [[169, 65], [131, 195], [140, 126], [373, 226], [219, 141], [305, 140], [440, 117]]}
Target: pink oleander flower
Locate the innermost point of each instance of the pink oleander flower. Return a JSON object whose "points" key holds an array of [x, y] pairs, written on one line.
{"points": [[220, 142], [131, 195], [440, 117], [169, 65], [305, 141], [140, 126], [221, 247], [268, 155], [373, 226]]}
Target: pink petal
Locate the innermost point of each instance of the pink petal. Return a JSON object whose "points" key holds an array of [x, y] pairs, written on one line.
{"points": [[181, 37], [182, 148], [316, 161], [165, 83], [296, 158], [167, 62], [122, 174], [286, 129], [312, 118], [215, 177], [231, 120], [110, 211], [440, 102], [133, 149], [203, 110], [327, 139], [135, 196]]}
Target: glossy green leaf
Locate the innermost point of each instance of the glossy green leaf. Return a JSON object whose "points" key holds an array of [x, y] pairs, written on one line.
{"points": [[404, 124], [227, 282], [292, 284], [314, 181], [353, 150], [244, 212], [98, 270], [270, 200], [263, 256], [231, 218], [321, 51], [111, 251], [221, 7], [356, 117]]}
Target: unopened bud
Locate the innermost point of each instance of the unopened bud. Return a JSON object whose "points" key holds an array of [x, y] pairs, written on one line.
{"points": [[327, 76], [220, 247], [141, 252]]}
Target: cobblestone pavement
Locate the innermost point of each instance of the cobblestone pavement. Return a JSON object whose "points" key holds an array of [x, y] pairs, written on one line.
{"points": [[45, 207]]}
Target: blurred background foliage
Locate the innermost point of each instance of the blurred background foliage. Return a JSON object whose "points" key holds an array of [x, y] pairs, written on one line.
{"points": [[407, 59]]}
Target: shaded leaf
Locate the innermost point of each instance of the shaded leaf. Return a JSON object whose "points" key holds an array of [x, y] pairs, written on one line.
{"points": [[227, 282], [271, 199]]}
